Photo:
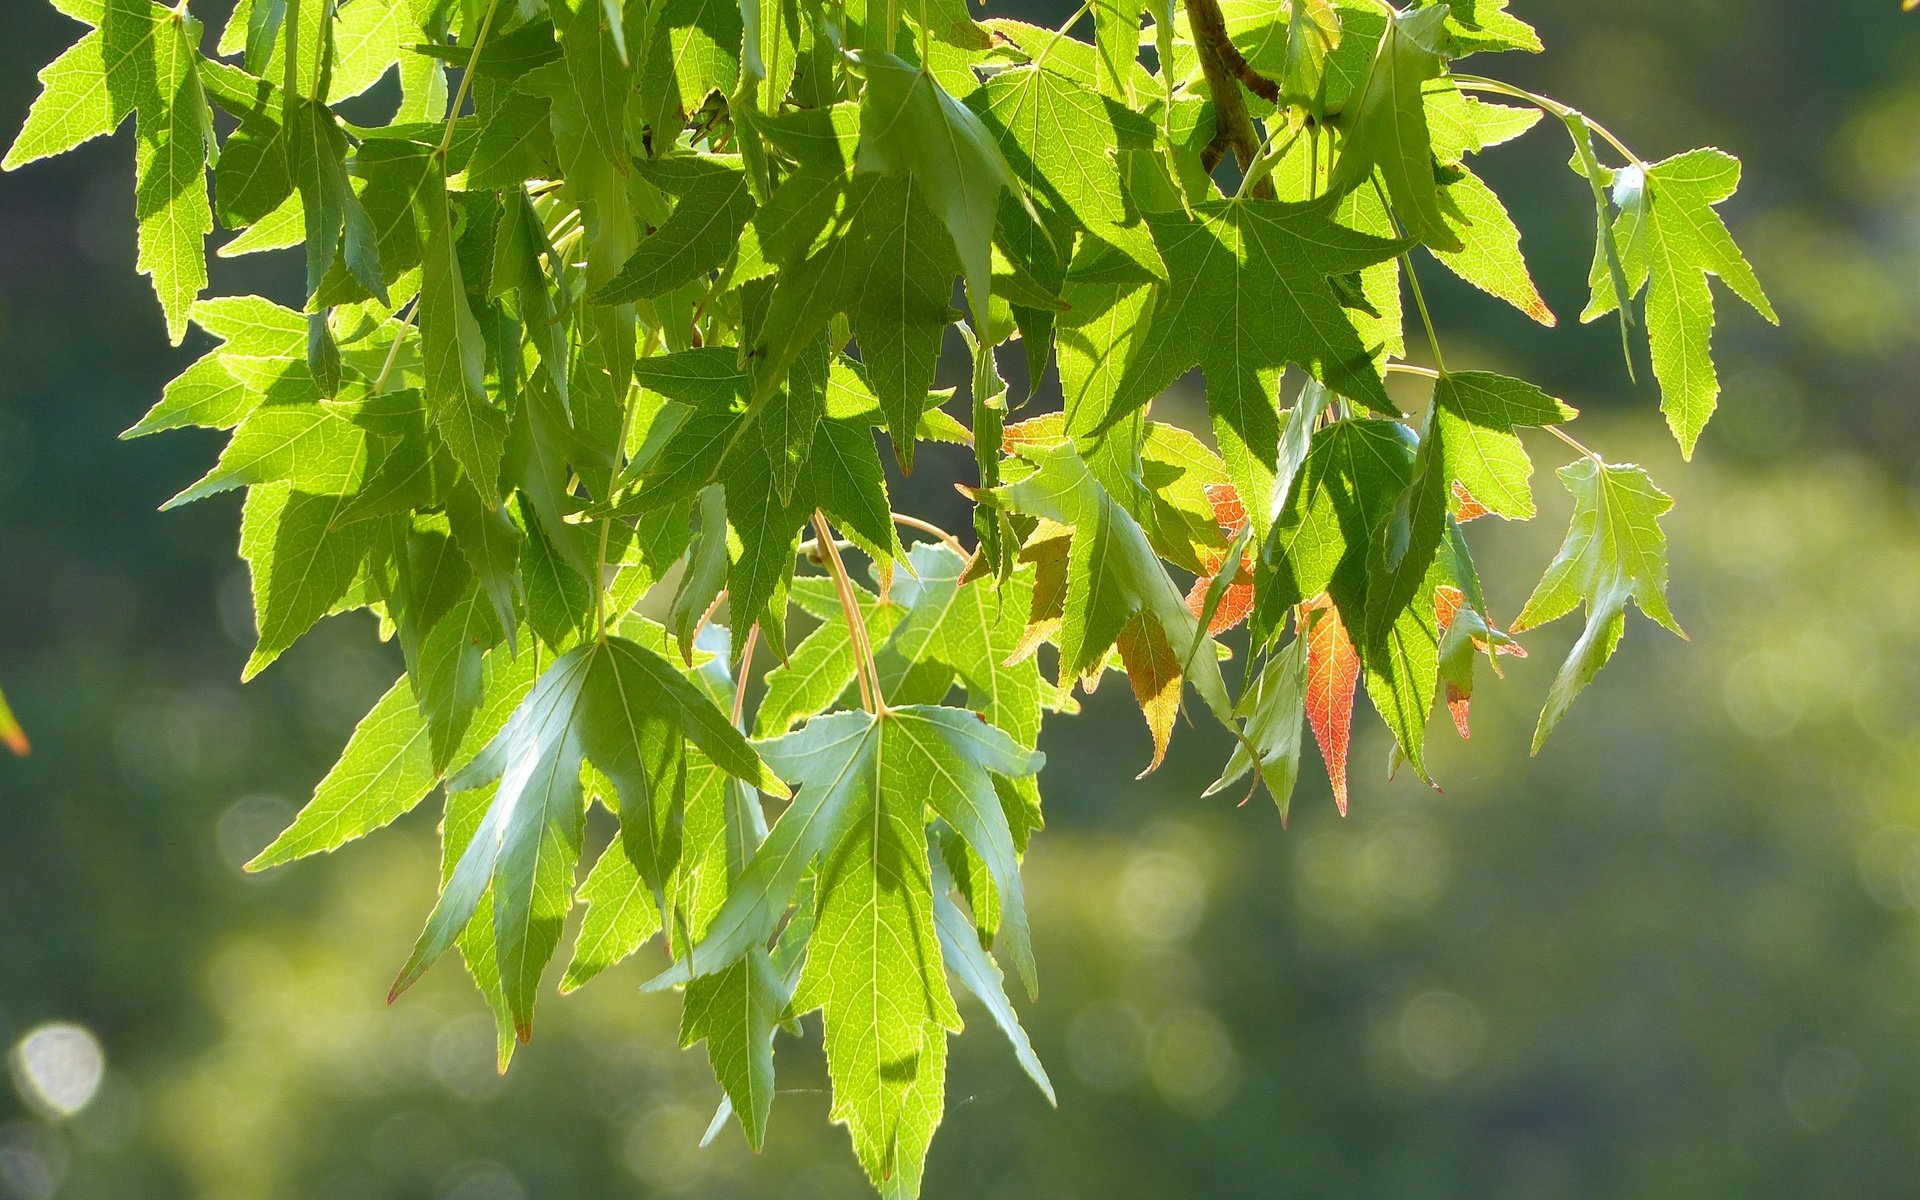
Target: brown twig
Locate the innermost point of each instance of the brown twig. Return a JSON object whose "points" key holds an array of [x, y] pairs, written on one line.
{"points": [[1226, 70]]}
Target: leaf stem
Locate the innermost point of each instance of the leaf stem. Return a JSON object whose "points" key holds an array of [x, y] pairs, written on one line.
{"points": [[599, 580], [1426, 318], [929, 527], [1270, 155], [866, 670], [1480, 83], [466, 76], [393, 351], [1574, 442], [1413, 369], [746, 664], [1040, 59]]}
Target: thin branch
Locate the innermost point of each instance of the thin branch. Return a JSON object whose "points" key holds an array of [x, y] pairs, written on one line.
{"points": [[1223, 81]]}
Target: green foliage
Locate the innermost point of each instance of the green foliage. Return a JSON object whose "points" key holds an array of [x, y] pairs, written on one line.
{"points": [[619, 320]]}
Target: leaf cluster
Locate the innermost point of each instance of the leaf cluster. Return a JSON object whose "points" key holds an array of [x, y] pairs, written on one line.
{"points": [[609, 329]]}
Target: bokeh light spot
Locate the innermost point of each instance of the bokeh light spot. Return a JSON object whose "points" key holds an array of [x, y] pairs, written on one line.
{"points": [[57, 1068]]}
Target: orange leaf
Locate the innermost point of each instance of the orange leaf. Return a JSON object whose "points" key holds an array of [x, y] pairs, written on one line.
{"points": [[1237, 603], [1333, 668], [1234, 608], [1227, 509], [1465, 507], [1447, 602], [1153, 668]]}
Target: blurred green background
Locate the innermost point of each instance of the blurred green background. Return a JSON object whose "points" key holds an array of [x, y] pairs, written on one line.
{"points": [[1678, 955]]}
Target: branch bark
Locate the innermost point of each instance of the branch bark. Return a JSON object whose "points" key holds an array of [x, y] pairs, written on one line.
{"points": [[1226, 70]]}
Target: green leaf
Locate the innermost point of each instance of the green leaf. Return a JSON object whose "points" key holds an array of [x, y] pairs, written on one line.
{"points": [[692, 50], [1275, 708], [820, 669], [909, 124], [1490, 257], [1247, 293], [1386, 126], [1674, 240], [451, 343], [596, 55], [369, 37], [621, 916], [735, 1012], [1354, 484], [874, 967], [174, 129], [714, 206], [706, 573], [1478, 413], [891, 273], [598, 702], [386, 768], [515, 142], [382, 774], [1615, 551], [978, 973], [302, 561], [1486, 25], [74, 106], [1112, 573]]}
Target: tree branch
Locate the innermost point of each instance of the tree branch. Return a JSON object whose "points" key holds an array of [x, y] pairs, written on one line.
{"points": [[1226, 70]]}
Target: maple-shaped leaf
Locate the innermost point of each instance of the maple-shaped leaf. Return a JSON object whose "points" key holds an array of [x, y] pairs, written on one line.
{"points": [[1489, 257], [868, 785], [1486, 25], [1464, 634], [621, 915], [142, 60], [1386, 126], [1247, 292], [609, 702], [1615, 551], [887, 263], [1671, 240], [1333, 671], [1111, 573], [713, 206]]}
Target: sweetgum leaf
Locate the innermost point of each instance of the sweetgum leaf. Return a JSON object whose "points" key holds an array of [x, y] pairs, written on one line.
{"points": [[1386, 125], [1673, 240], [1247, 293], [1615, 551], [606, 701]]}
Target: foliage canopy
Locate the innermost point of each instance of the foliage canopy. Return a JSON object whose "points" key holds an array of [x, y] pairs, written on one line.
{"points": [[617, 310]]}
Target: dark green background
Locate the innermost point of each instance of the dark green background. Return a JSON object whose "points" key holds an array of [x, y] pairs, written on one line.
{"points": [[1677, 955]]}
